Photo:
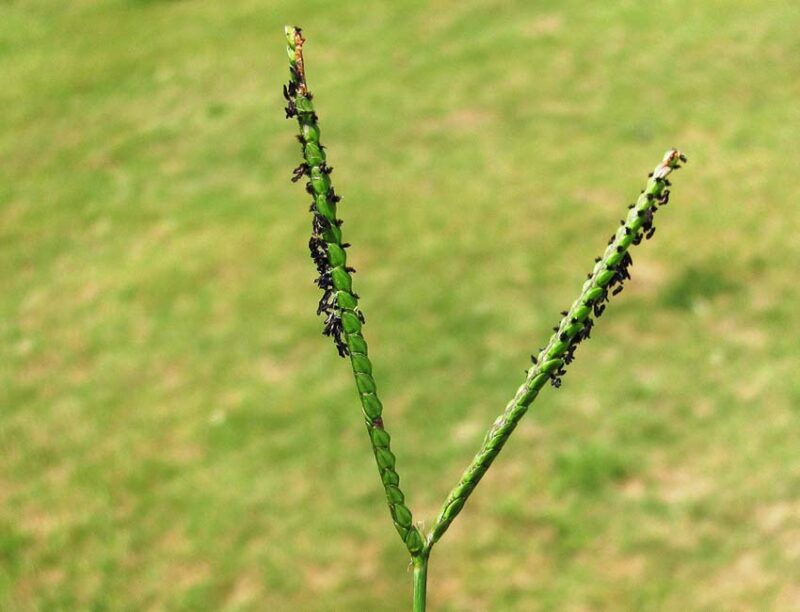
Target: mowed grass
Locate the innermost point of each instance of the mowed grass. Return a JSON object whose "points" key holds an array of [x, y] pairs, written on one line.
{"points": [[175, 434]]}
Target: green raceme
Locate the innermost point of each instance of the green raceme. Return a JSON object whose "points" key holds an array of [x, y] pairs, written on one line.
{"points": [[339, 303], [606, 279]]}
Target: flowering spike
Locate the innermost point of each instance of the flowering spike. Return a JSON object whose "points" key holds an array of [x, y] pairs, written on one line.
{"points": [[339, 303], [609, 273]]}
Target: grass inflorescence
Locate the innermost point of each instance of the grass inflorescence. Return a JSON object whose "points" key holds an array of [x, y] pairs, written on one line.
{"points": [[344, 319]]}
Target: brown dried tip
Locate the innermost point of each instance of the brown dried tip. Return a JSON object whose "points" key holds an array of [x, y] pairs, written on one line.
{"points": [[298, 59], [670, 162]]}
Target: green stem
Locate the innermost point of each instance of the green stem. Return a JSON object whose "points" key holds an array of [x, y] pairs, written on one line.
{"points": [[610, 270], [420, 582], [344, 318]]}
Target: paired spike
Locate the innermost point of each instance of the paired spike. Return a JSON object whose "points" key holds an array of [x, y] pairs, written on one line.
{"points": [[343, 319]]}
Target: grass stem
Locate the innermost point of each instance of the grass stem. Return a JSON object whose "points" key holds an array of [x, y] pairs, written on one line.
{"points": [[420, 582]]}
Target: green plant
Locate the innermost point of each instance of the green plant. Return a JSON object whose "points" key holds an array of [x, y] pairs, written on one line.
{"points": [[344, 319]]}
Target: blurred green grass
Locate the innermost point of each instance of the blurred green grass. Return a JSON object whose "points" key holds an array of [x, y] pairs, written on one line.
{"points": [[174, 434]]}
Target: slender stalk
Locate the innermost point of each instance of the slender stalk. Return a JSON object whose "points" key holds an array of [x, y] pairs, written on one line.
{"points": [[339, 303], [420, 582], [610, 272]]}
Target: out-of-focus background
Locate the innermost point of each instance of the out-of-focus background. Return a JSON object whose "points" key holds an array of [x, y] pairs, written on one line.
{"points": [[176, 434]]}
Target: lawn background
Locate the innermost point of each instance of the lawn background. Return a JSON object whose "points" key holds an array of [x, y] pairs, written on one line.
{"points": [[175, 434]]}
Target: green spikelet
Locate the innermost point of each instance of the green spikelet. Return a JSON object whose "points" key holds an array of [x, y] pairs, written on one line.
{"points": [[606, 279], [339, 304]]}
